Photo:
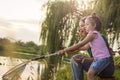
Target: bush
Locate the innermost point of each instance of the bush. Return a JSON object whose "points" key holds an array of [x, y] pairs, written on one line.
{"points": [[1, 47], [64, 73]]}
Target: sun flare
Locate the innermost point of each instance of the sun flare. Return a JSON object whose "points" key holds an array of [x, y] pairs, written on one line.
{"points": [[83, 4]]}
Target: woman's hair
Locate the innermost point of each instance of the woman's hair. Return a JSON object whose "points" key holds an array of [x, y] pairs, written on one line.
{"points": [[95, 21], [83, 19]]}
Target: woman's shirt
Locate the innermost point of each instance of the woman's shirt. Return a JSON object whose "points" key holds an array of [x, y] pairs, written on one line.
{"points": [[98, 46]]}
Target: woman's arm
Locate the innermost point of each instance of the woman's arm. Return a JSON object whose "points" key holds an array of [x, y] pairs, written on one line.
{"points": [[82, 59]]}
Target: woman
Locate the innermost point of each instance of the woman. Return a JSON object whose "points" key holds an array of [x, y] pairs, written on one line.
{"points": [[78, 65]]}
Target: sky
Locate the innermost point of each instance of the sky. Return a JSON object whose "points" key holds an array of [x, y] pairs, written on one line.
{"points": [[21, 19]]}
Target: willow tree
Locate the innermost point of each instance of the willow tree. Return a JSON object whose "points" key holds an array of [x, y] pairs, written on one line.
{"points": [[109, 12], [56, 30]]}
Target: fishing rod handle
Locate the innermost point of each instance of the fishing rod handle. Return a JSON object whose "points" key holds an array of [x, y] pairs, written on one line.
{"points": [[43, 57]]}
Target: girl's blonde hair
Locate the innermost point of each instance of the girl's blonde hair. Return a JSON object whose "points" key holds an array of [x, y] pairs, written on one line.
{"points": [[95, 21]]}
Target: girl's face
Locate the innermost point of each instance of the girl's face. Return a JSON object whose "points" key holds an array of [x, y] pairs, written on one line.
{"points": [[89, 26]]}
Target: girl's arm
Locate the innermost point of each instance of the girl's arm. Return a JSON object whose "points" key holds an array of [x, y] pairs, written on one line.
{"points": [[85, 47], [77, 46], [80, 44]]}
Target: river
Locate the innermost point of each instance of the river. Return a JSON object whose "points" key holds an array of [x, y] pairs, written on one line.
{"points": [[30, 72]]}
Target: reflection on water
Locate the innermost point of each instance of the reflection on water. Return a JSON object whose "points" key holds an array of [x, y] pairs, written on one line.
{"points": [[30, 73]]}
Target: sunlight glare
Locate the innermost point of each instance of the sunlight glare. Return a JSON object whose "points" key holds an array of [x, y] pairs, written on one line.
{"points": [[83, 4]]}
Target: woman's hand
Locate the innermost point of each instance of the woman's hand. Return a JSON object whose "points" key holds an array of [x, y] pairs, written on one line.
{"points": [[119, 52], [60, 52], [78, 58]]}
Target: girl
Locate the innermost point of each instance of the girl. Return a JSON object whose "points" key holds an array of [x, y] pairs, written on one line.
{"points": [[98, 46]]}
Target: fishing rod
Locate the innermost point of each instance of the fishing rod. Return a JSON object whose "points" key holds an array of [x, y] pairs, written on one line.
{"points": [[15, 72]]}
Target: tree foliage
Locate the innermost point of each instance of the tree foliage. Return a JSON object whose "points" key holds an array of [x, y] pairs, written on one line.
{"points": [[56, 30], [109, 12], [9, 48], [60, 27]]}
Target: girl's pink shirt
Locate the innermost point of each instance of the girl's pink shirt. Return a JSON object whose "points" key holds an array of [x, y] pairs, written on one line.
{"points": [[98, 46]]}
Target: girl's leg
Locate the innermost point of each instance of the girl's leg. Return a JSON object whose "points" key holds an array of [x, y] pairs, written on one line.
{"points": [[96, 67], [91, 74]]}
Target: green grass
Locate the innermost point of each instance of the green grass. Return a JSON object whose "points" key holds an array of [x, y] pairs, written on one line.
{"points": [[117, 74]]}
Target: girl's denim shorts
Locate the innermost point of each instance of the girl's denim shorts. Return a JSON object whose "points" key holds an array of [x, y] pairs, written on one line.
{"points": [[100, 64]]}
